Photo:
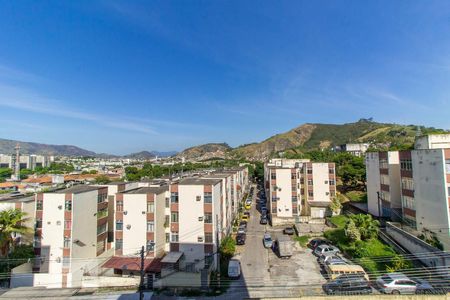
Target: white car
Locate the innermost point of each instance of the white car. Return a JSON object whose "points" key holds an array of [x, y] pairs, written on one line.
{"points": [[396, 283]]}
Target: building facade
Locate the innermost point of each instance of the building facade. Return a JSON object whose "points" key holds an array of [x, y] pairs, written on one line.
{"points": [[299, 188], [71, 232]]}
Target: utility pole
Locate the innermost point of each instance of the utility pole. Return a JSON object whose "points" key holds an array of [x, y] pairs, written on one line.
{"points": [[218, 250], [141, 284]]}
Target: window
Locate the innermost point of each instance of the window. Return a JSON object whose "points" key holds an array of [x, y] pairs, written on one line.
{"points": [[405, 164], [102, 213], [68, 224], [39, 205], [174, 197], [66, 242], [310, 182], [294, 188], [208, 218], [174, 237], [207, 197], [66, 261], [101, 229], [150, 207], [274, 210], [294, 199], [101, 198], [150, 246], [407, 184], [384, 179], [332, 182], [200, 239], [408, 202], [119, 225], [294, 210], [302, 180], [198, 198], [273, 175], [326, 182], [38, 223], [310, 194], [208, 237], [119, 206], [174, 217], [200, 219], [167, 237], [68, 205], [309, 170], [447, 166], [167, 220], [167, 202], [150, 226], [119, 244], [332, 193], [383, 163], [331, 170], [293, 176]]}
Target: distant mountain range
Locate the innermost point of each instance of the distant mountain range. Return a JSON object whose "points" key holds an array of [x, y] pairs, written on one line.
{"points": [[7, 147], [302, 138]]}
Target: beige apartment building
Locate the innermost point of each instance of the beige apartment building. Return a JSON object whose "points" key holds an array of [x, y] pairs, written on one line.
{"points": [[299, 190], [27, 161], [71, 234], [195, 221]]}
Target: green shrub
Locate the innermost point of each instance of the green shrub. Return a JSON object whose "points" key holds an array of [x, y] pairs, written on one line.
{"points": [[302, 240]]}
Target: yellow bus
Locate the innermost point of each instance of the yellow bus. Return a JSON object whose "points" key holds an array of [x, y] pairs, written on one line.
{"points": [[335, 271]]}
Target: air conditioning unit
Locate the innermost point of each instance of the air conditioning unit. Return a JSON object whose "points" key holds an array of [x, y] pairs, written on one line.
{"points": [[143, 212], [59, 207], [128, 226], [125, 212]]}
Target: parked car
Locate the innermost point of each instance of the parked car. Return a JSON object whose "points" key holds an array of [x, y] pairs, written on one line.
{"points": [[240, 239], [267, 240], [424, 287], [288, 231], [242, 229], [325, 249], [348, 284], [263, 220], [316, 242], [330, 259], [396, 283], [263, 210], [248, 206], [244, 218], [247, 213], [243, 224], [234, 268], [334, 271]]}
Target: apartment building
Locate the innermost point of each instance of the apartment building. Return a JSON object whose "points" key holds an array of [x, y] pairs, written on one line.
{"points": [[30, 161], [383, 184], [425, 191], [298, 189], [432, 141], [71, 234], [195, 211], [355, 149]]}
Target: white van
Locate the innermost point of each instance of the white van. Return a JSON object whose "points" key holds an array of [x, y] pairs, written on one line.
{"points": [[234, 268]]}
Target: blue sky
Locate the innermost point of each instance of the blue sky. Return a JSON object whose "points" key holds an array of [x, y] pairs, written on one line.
{"points": [[123, 76]]}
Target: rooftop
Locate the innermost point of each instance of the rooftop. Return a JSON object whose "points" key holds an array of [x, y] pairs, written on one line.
{"points": [[78, 189], [199, 181], [148, 190]]}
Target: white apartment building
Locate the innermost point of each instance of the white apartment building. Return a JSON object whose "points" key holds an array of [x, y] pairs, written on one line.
{"points": [[71, 234], [432, 141], [357, 149], [298, 189], [195, 212], [27, 161], [383, 184], [425, 189]]}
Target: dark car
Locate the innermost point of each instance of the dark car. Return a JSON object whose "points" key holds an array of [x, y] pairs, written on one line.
{"points": [[348, 284], [263, 220], [288, 231], [240, 239], [317, 242], [243, 224], [424, 287]]}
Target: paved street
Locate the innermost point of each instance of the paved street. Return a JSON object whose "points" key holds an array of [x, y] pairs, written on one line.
{"points": [[266, 275]]}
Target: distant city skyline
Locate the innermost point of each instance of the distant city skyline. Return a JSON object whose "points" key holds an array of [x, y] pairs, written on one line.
{"points": [[125, 76]]}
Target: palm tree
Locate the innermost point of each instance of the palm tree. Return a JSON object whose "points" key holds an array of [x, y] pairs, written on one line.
{"points": [[367, 226], [11, 221]]}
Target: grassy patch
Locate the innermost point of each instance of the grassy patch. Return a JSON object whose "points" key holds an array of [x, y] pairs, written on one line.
{"points": [[302, 240], [357, 196], [339, 221]]}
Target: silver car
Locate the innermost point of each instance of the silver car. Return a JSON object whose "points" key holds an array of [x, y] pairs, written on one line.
{"points": [[326, 249], [331, 259], [267, 241], [396, 283]]}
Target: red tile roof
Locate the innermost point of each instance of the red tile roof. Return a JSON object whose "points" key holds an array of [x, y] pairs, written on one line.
{"points": [[133, 264]]}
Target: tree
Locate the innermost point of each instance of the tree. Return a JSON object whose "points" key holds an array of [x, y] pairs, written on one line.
{"points": [[24, 173], [102, 179], [335, 205], [5, 173], [352, 232], [398, 263], [11, 221], [368, 227]]}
